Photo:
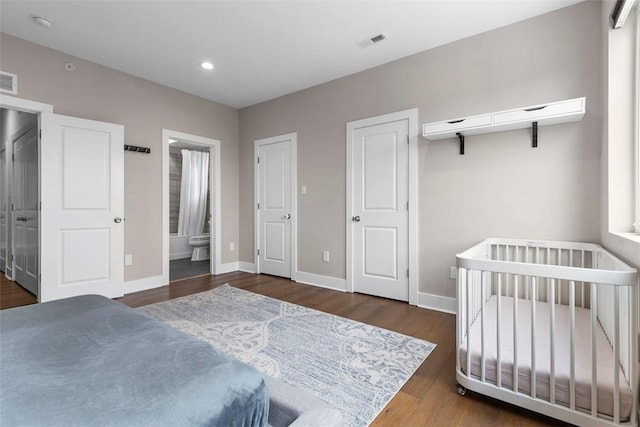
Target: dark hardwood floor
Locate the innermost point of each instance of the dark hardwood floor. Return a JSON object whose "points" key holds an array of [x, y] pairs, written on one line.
{"points": [[429, 398]]}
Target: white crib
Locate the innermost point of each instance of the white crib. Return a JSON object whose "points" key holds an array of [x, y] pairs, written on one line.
{"points": [[566, 312]]}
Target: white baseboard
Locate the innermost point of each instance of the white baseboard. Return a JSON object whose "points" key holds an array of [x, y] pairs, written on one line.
{"points": [[180, 255], [131, 286], [328, 282], [247, 267], [437, 302], [227, 268]]}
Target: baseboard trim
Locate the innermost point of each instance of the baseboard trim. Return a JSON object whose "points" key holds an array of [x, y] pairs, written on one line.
{"points": [[227, 268], [180, 255], [319, 280], [247, 267], [437, 302], [131, 286]]}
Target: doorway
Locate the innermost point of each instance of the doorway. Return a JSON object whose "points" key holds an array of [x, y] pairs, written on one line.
{"points": [[191, 206], [382, 247], [276, 205], [19, 196]]}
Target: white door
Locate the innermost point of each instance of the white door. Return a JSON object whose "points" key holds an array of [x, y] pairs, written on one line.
{"points": [[25, 215], [275, 207], [380, 248], [82, 193]]}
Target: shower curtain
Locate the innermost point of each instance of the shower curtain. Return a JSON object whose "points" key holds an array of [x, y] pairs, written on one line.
{"points": [[193, 192]]}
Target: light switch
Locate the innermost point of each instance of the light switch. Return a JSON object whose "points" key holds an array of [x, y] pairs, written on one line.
{"points": [[128, 259], [303, 190]]}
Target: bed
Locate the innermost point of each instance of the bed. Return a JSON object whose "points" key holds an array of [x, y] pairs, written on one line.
{"points": [[91, 361]]}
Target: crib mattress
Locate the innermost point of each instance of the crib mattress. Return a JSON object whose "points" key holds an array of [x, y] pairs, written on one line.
{"points": [[604, 355]]}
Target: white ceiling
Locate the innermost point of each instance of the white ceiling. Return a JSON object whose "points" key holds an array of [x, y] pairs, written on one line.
{"points": [[261, 49]]}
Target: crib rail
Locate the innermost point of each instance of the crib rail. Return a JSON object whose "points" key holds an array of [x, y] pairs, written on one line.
{"points": [[513, 290]]}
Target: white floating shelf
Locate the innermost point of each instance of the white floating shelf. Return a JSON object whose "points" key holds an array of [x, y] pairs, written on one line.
{"points": [[554, 113]]}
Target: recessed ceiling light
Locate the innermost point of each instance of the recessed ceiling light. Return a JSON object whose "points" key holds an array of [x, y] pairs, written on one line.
{"points": [[206, 65], [42, 20]]}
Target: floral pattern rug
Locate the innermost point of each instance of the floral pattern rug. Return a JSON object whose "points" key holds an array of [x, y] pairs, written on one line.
{"points": [[352, 366]]}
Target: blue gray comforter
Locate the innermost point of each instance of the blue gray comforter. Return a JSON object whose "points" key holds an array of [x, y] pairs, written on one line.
{"points": [[90, 361]]}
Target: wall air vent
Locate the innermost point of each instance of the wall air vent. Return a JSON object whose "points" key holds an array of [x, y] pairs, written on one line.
{"points": [[8, 83], [372, 40]]}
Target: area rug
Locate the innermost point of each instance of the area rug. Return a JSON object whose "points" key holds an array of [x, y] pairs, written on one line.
{"points": [[354, 367]]}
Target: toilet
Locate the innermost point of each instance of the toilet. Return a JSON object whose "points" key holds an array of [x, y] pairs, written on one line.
{"points": [[200, 245]]}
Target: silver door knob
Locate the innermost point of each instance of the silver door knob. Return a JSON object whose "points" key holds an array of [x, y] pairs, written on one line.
{"points": [[117, 220], [287, 216], [356, 218]]}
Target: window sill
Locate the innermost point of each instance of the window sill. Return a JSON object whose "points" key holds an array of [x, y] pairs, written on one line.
{"points": [[624, 245]]}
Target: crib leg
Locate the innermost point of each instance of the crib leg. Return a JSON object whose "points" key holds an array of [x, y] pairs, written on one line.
{"points": [[461, 389]]}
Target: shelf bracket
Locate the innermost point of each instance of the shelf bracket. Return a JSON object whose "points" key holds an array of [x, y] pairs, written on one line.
{"points": [[461, 138], [534, 134]]}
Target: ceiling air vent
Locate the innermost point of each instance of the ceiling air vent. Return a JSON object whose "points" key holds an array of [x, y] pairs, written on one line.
{"points": [[372, 40], [8, 83]]}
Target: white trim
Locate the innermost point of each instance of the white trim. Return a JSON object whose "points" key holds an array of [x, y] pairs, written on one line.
{"points": [[411, 116], [636, 189], [27, 105], [293, 137], [247, 267], [180, 255], [328, 282], [437, 303], [228, 267], [215, 150], [131, 286]]}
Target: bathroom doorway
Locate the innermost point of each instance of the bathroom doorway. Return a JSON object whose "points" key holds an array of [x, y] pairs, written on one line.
{"points": [[191, 205]]}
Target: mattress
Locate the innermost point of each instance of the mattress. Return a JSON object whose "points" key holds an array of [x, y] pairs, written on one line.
{"points": [[90, 361], [604, 355]]}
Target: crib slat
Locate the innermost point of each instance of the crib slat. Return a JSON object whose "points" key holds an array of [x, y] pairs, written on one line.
{"points": [[594, 361], [552, 344], [572, 345], [469, 302], [582, 287], [482, 324], [616, 354], [498, 323], [515, 332], [533, 336]]}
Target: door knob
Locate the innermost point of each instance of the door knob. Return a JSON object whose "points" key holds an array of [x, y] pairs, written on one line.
{"points": [[117, 220], [356, 218], [287, 216]]}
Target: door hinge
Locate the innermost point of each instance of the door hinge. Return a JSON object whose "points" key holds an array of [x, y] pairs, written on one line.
{"points": [[407, 139], [40, 133], [258, 205], [407, 273], [258, 251], [13, 157], [13, 207], [407, 205], [258, 159]]}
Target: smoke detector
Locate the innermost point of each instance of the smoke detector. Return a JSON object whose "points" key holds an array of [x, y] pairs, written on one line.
{"points": [[376, 38], [42, 21]]}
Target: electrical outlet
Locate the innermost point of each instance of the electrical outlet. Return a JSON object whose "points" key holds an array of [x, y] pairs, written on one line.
{"points": [[128, 259], [325, 256], [303, 189], [232, 246], [453, 273]]}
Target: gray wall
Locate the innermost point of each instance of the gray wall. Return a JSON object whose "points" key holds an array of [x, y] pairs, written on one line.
{"points": [[96, 92], [501, 187]]}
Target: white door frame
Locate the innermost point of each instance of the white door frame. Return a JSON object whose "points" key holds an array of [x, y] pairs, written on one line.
{"points": [[14, 103], [214, 185], [412, 116], [293, 137]]}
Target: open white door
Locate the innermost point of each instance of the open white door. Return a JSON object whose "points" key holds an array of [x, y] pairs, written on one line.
{"points": [[25, 212], [82, 193]]}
